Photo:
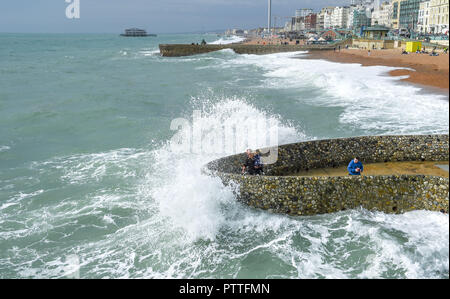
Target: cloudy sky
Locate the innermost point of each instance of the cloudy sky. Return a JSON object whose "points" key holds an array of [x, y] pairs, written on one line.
{"points": [[158, 16]]}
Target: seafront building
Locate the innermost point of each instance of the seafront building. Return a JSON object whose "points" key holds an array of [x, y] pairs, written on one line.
{"points": [[404, 18], [361, 19], [395, 20], [351, 12], [423, 25], [439, 16], [339, 17], [311, 21], [421, 16], [382, 15], [303, 12], [325, 17], [298, 23], [409, 14], [327, 20], [365, 3]]}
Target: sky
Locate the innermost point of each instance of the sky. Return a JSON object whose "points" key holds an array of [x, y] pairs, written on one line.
{"points": [[156, 16]]}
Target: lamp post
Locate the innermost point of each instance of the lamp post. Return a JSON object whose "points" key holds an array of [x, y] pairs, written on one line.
{"points": [[269, 21]]}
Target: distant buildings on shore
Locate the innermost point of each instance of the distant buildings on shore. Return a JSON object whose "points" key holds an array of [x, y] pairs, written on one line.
{"points": [[369, 19], [412, 16], [433, 16]]}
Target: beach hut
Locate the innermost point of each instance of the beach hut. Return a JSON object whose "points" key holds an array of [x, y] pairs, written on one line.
{"points": [[413, 46]]}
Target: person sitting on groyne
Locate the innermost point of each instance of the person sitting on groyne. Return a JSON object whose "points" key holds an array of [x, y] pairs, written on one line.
{"points": [[355, 167], [249, 165], [252, 164], [258, 163]]}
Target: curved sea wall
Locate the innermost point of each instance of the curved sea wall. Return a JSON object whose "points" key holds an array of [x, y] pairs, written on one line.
{"points": [[281, 191]]}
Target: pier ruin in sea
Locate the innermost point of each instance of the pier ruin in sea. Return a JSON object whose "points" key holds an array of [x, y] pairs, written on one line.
{"points": [[296, 184]]}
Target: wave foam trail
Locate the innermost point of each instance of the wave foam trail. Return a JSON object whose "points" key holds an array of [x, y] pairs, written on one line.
{"points": [[4, 148], [149, 52], [228, 40], [371, 99]]}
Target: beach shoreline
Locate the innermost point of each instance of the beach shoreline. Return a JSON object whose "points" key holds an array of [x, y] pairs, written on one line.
{"points": [[421, 69]]}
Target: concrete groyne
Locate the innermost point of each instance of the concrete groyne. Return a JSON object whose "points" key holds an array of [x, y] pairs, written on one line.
{"points": [[281, 191], [177, 50]]}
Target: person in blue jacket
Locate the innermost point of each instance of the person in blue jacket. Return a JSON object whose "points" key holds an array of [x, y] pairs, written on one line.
{"points": [[355, 167], [258, 163]]}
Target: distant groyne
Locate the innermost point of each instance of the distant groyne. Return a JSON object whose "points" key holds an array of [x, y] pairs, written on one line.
{"points": [[177, 50], [281, 191]]}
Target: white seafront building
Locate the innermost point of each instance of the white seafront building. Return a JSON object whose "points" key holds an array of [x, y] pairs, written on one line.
{"points": [[324, 18], [438, 19], [303, 12], [382, 15], [433, 15], [371, 4], [423, 25], [351, 11], [339, 17]]}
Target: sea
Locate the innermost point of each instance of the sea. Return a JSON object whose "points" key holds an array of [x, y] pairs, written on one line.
{"points": [[90, 186]]}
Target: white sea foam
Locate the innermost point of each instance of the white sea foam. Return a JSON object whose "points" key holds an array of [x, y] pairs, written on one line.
{"points": [[21, 196], [228, 40], [83, 168], [4, 148], [371, 100], [412, 241], [149, 52]]}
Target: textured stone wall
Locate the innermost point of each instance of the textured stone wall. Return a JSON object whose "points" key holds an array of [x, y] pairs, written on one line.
{"points": [[370, 43], [280, 191], [176, 50]]}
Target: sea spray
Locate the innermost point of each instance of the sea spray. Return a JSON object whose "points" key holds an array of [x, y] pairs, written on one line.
{"points": [[228, 40], [191, 199]]}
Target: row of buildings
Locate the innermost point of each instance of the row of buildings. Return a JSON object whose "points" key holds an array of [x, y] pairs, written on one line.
{"points": [[433, 16], [428, 17]]}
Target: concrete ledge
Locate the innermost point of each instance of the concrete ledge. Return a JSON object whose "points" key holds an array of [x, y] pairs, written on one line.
{"points": [[298, 195]]}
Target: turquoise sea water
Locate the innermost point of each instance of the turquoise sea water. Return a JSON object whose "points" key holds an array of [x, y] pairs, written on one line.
{"points": [[86, 171]]}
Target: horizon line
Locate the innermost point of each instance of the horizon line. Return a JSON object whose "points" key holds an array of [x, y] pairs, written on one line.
{"points": [[185, 32]]}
